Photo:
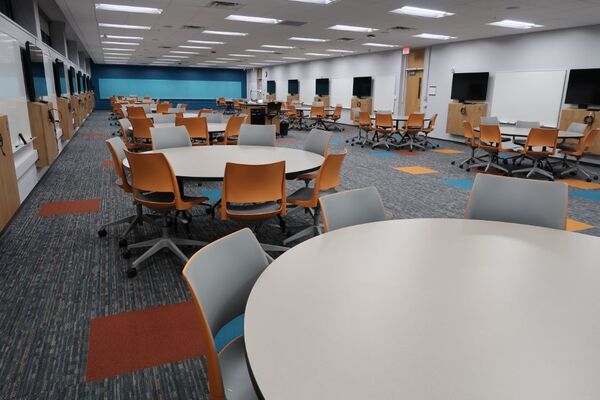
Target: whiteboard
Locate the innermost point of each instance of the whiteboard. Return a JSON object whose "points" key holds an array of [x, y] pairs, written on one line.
{"points": [[307, 90], [384, 93], [528, 95], [281, 90], [340, 91]]}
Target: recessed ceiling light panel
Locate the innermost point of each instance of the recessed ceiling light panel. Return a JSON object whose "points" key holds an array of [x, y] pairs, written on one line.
{"points": [[224, 33], [258, 20], [351, 28], [509, 23], [123, 26], [306, 39], [421, 12], [434, 36], [129, 9]]}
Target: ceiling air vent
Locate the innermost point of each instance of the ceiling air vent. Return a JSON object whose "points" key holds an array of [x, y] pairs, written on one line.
{"points": [[193, 27], [225, 5], [292, 23], [345, 39], [165, 47], [401, 28]]}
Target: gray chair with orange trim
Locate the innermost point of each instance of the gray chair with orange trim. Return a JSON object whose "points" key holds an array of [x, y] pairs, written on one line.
{"points": [[541, 143], [384, 126], [317, 142], [577, 151], [332, 119], [142, 136], [472, 142], [428, 130], [232, 129], [307, 198], [170, 137], [220, 277], [351, 207], [490, 141], [519, 201], [197, 128], [155, 186], [363, 122], [410, 132], [257, 135], [254, 193], [117, 149]]}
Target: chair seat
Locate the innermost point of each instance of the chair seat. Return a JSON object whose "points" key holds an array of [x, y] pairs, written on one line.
{"points": [[237, 383], [520, 142], [165, 199], [305, 194], [250, 209]]}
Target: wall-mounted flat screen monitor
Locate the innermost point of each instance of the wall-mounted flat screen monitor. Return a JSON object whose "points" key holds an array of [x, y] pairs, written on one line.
{"points": [[34, 73], [60, 82], [584, 87], [271, 87], [293, 87], [471, 86], [322, 87], [361, 86], [80, 81], [72, 81]]}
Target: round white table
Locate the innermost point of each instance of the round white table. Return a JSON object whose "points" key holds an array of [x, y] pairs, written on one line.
{"points": [[431, 309], [185, 115], [208, 162], [213, 127], [513, 131]]}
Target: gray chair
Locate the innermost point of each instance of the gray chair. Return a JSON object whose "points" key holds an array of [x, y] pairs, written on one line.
{"points": [[126, 129], [577, 127], [519, 201], [221, 277], [164, 118], [521, 141], [166, 138], [147, 108], [257, 135], [352, 207], [176, 110], [489, 121], [213, 117]]}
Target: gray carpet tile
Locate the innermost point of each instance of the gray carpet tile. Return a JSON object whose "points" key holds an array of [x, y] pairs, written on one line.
{"points": [[56, 273]]}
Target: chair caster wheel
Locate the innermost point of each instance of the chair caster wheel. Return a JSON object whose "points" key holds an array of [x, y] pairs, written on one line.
{"points": [[362, 147], [127, 254], [505, 162], [595, 177], [453, 163], [572, 173], [131, 272], [588, 180], [468, 170], [102, 232], [123, 243], [461, 167], [352, 144]]}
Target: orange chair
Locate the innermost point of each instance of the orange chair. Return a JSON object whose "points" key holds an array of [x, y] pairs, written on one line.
{"points": [[541, 143], [141, 132], [155, 186], [205, 111], [410, 132], [136, 112], [116, 147], [578, 151], [333, 118], [490, 141], [163, 108], [473, 143], [292, 115], [232, 129], [364, 125], [428, 130], [307, 198], [254, 193], [317, 113], [197, 129], [384, 125]]}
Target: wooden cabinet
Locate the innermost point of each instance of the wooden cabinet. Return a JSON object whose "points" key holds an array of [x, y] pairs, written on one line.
{"points": [[291, 98], [9, 191], [459, 112], [365, 104], [247, 109], [66, 118], [42, 129], [324, 99], [569, 115], [76, 106]]}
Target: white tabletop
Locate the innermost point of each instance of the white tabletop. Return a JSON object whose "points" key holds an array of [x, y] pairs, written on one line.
{"points": [[185, 115], [431, 309], [400, 117], [208, 162], [212, 126], [508, 130]]}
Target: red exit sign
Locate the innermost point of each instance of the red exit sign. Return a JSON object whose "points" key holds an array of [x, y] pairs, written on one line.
{"points": [[406, 50]]}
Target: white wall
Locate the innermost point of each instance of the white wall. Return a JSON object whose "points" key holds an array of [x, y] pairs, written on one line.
{"points": [[560, 49], [385, 65]]}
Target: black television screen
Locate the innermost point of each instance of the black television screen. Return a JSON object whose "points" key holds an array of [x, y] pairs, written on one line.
{"points": [[362, 86], [322, 87], [60, 83], [72, 82], [271, 87], [584, 87], [35, 75], [293, 87], [470, 86], [79, 82]]}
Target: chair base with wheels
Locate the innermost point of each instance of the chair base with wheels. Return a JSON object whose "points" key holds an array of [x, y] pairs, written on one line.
{"points": [[576, 168], [133, 220], [540, 167], [472, 159], [493, 162], [411, 141]]}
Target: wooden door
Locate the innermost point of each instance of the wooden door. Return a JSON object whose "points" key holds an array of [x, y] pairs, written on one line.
{"points": [[413, 91]]}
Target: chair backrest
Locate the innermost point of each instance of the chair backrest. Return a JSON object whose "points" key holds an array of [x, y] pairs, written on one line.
{"points": [[528, 124], [233, 126], [136, 112], [255, 183], [163, 107], [183, 106], [383, 119], [205, 111], [197, 127], [146, 108], [520, 201], [317, 111], [175, 110], [318, 142], [337, 112], [163, 118], [577, 127], [542, 137], [151, 172], [166, 138], [489, 121], [469, 132], [141, 127], [432, 122], [117, 148], [490, 134], [328, 176], [415, 121], [125, 126], [257, 135], [352, 207], [588, 140], [364, 118], [213, 117], [220, 277]]}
